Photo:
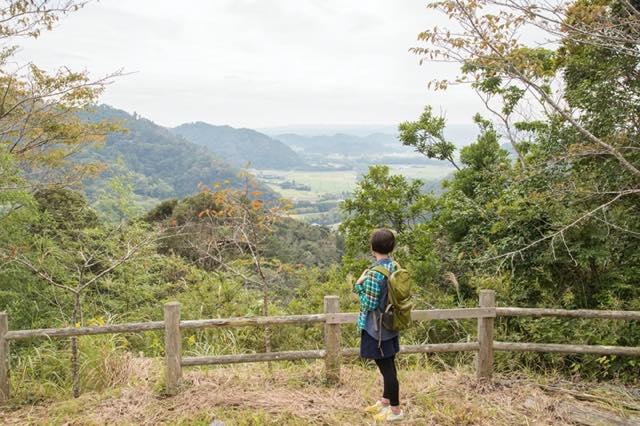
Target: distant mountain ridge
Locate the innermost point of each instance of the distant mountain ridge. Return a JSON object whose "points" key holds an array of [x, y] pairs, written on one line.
{"points": [[241, 146], [160, 163], [341, 143], [350, 145], [157, 163]]}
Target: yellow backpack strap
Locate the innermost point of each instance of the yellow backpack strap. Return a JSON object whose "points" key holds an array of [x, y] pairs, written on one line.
{"points": [[381, 269]]}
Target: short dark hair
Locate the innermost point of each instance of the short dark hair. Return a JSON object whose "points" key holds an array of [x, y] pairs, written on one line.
{"points": [[383, 241]]}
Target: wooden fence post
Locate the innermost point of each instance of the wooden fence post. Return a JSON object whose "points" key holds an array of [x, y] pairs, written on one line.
{"points": [[484, 360], [332, 340], [4, 358], [172, 347]]}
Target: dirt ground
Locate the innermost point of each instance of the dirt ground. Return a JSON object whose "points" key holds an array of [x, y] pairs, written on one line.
{"points": [[295, 394]]}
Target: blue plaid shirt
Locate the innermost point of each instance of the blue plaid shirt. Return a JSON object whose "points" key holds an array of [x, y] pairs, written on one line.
{"points": [[369, 290]]}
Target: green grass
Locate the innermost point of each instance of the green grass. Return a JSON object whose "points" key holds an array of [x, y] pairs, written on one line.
{"points": [[329, 182], [335, 182]]}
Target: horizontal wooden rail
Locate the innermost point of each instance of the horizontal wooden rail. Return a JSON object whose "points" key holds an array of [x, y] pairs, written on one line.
{"points": [[338, 318], [85, 331], [318, 354], [460, 313], [439, 347], [248, 321], [422, 315], [263, 357], [159, 325], [577, 313], [566, 349], [424, 349]]}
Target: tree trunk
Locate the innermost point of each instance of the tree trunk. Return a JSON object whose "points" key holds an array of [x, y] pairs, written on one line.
{"points": [[265, 297], [75, 367], [265, 312]]}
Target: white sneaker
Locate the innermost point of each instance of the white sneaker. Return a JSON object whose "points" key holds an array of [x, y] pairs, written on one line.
{"points": [[391, 417], [386, 415]]}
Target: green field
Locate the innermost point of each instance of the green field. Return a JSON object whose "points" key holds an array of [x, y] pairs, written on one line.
{"points": [[336, 182], [321, 183]]}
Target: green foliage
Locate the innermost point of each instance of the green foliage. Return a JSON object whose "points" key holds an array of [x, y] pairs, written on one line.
{"points": [[116, 202], [297, 243], [17, 206], [65, 211], [155, 163], [427, 136], [493, 221], [290, 242], [561, 227], [382, 200], [69, 255]]}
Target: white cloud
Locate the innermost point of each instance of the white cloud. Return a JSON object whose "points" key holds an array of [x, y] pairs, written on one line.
{"points": [[257, 63]]}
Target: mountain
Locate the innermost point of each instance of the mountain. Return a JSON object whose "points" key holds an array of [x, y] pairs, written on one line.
{"points": [[155, 162], [241, 146], [340, 143], [352, 151], [357, 151], [350, 145], [329, 129]]}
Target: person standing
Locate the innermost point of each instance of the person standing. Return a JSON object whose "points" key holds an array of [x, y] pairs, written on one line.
{"points": [[376, 342]]}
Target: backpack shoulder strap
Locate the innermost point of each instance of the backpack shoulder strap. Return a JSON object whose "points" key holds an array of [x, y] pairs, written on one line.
{"points": [[381, 269]]}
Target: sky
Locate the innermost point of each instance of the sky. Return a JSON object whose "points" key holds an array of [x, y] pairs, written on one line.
{"points": [[257, 63]]}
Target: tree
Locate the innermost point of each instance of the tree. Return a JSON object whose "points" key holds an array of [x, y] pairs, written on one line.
{"points": [[228, 229], [40, 123], [559, 227], [16, 201], [382, 200], [71, 252], [488, 47], [596, 62], [117, 202]]}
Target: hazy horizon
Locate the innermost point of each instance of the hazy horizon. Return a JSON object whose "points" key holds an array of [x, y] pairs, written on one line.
{"points": [[460, 134], [250, 64]]}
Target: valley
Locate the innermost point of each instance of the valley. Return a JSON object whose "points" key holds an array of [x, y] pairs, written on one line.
{"points": [[156, 163], [315, 195], [333, 183]]}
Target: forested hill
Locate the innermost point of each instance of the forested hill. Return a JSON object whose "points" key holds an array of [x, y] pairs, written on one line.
{"points": [[241, 146], [156, 163]]}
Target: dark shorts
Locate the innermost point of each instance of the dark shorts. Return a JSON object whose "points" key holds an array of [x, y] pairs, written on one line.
{"points": [[369, 347]]}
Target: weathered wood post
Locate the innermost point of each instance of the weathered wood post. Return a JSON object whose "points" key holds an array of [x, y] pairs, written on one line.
{"points": [[4, 358], [484, 360], [332, 340], [172, 347]]}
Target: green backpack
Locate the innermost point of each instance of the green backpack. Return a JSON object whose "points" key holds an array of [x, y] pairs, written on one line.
{"points": [[396, 316]]}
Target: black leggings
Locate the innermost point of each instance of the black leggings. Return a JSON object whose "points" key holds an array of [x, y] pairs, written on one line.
{"points": [[389, 373]]}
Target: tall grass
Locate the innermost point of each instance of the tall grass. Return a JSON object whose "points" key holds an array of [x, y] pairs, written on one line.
{"points": [[43, 372]]}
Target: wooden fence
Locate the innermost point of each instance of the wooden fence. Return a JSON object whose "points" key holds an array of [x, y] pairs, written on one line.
{"points": [[332, 353]]}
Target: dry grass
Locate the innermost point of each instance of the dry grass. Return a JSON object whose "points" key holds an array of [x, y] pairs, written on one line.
{"points": [[294, 394]]}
